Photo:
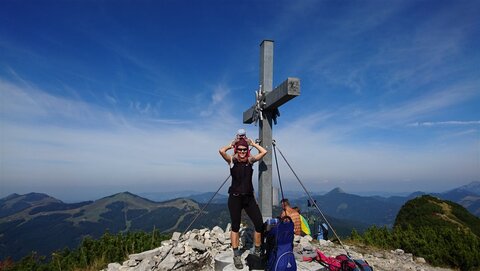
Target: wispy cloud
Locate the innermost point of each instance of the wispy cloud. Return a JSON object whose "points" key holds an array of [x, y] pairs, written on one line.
{"points": [[117, 150], [445, 123]]}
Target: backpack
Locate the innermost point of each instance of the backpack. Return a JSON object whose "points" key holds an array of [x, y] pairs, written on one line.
{"points": [[279, 246], [353, 265]]}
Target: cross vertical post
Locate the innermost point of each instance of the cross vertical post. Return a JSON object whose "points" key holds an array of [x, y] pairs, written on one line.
{"points": [[270, 101], [265, 132]]}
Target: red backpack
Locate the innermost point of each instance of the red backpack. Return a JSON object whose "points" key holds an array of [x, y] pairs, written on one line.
{"points": [[340, 263]]}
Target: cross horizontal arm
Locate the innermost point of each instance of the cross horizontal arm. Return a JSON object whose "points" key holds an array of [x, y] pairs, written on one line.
{"points": [[286, 91]]}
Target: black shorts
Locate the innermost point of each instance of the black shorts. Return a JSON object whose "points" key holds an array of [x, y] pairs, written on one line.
{"points": [[249, 204]]}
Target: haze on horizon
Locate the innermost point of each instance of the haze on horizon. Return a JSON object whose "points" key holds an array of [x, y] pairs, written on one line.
{"points": [[100, 97]]}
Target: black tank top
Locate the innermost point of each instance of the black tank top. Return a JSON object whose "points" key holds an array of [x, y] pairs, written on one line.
{"points": [[242, 173]]}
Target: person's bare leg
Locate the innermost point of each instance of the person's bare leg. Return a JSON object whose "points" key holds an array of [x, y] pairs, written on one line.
{"points": [[258, 238], [235, 238]]}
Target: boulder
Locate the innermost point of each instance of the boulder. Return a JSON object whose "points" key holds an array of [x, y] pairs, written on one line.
{"points": [[146, 254]]}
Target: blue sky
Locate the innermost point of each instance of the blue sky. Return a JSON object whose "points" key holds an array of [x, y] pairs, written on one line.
{"points": [[99, 97]]}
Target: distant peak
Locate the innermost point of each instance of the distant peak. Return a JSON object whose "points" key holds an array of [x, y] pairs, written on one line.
{"points": [[123, 195], [337, 190]]}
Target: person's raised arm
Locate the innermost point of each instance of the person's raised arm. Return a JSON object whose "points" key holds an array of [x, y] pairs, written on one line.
{"points": [[261, 150], [224, 154]]}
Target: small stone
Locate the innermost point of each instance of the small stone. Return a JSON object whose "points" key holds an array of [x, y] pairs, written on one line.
{"points": [[420, 260], [221, 238], [399, 251], [165, 243], [192, 236], [188, 249], [217, 230], [197, 245], [308, 237], [208, 243], [297, 238], [130, 263], [176, 236], [304, 243], [179, 250]]}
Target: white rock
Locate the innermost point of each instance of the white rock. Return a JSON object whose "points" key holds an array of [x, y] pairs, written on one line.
{"points": [[164, 251], [146, 264], [130, 263], [208, 243], [176, 236], [188, 249], [221, 238], [178, 250], [231, 267], [217, 230], [193, 236], [197, 245], [145, 254], [168, 263], [420, 260], [113, 266], [304, 243], [399, 251], [308, 237]]}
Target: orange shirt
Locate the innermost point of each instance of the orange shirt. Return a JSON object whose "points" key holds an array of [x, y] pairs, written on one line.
{"points": [[295, 216]]}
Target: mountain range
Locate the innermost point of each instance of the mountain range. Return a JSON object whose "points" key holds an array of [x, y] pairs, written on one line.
{"points": [[381, 211], [369, 210], [26, 221]]}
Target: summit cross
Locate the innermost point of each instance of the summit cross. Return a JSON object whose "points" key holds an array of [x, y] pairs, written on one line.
{"points": [[265, 111]]}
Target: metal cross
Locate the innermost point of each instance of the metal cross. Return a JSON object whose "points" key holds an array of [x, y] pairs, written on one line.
{"points": [[265, 111]]}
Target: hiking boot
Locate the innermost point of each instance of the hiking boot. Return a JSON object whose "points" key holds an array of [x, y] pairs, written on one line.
{"points": [[237, 261]]}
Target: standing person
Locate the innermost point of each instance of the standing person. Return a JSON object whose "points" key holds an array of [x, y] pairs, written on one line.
{"points": [[241, 194]]}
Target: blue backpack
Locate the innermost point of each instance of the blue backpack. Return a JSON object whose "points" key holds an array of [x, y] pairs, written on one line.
{"points": [[279, 247]]}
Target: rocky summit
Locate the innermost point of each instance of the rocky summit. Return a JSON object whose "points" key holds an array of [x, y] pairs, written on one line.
{"points": [[207, 249]]}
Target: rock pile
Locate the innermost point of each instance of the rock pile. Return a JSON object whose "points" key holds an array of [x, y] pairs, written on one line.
{"points": [[210, 250]]}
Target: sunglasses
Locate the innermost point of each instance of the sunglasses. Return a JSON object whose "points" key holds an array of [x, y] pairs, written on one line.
{"points": [[242, 150]]}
